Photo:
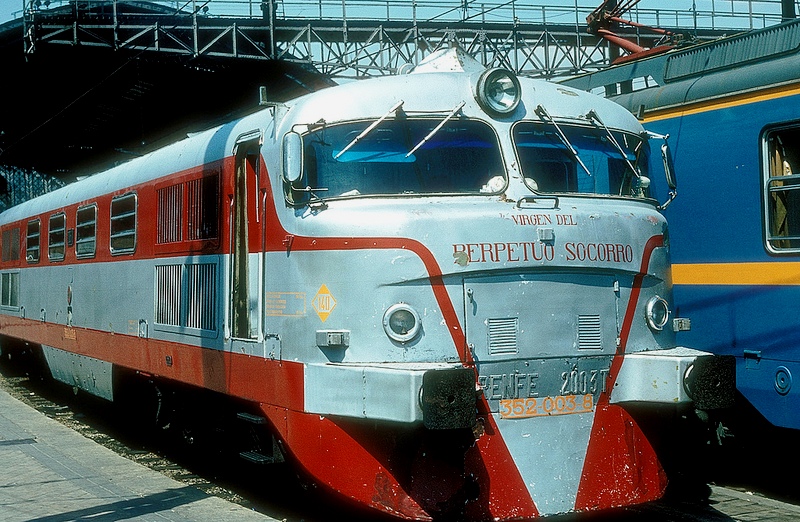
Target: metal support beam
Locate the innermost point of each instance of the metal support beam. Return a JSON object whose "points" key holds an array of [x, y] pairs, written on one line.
{"points": [[336, 46]]}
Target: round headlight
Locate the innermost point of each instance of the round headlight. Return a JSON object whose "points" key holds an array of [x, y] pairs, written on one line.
{"points": [[401, 322], [498, 91], [657, 313]]}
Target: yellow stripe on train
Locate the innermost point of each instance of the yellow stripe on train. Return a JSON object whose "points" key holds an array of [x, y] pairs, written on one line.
{"points": [[722, 103], [768, 273]]}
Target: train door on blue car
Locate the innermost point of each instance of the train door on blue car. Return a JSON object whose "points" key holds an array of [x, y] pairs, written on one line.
{"points": [[245, 229]]}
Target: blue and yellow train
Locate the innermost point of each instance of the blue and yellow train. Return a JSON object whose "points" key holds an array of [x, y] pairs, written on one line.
{"points": [[731, 109]]}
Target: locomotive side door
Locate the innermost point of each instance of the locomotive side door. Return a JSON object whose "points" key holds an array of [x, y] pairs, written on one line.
{"points": [[245, 276]]}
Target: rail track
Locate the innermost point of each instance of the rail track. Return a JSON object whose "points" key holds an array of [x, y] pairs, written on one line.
{"points": [[748, 490]]}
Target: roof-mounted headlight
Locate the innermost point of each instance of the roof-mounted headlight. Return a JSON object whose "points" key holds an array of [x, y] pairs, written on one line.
{"points": [[498, 91]]}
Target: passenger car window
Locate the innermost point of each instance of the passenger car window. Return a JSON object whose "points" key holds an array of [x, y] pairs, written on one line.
{"points": [[86, 231], [782, 189], [11, 244], [123, 224], [32, 241], [9, 289], [57, 237]]}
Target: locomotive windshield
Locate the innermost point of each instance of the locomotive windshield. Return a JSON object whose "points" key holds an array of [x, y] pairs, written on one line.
{"points": [[584, 160], [459, 156]]}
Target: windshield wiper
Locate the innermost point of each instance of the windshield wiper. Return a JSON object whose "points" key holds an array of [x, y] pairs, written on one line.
{"points": [[369, 129], [543, 114], [436, 129], [592, 115]]}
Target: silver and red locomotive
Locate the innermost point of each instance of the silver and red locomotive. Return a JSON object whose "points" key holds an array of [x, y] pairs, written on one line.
{"points": [[441, 291]]}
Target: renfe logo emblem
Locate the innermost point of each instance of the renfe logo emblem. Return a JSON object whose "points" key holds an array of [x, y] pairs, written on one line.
{"points": [[323, 303]]}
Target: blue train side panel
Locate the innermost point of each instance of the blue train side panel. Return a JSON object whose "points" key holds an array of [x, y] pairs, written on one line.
{"points": [[718, 218], [722, 105]]}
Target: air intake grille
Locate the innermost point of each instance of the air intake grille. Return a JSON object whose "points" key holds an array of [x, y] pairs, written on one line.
{"points": [[503, 336], [168, 294], [590, 336], [186, 295], [201, 298]]}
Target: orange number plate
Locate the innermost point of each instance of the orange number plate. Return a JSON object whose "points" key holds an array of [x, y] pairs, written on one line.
{"points": [[543, 406]]}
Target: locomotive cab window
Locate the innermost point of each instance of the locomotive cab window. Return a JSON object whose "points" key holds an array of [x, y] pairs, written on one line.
{"points": [[86, 232], [57, 237], [32, 241], [598, 165], [123, 224], [406, 156], [782, 189]]}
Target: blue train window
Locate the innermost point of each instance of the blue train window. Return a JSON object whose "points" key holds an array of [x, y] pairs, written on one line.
{"points": [[782, 195]]}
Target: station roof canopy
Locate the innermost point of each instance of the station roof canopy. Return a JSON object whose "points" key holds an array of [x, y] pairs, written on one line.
{"points": [[71, 110]]}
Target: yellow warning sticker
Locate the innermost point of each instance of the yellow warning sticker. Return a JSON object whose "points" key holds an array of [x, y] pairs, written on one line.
{"points": [[323, 303]]}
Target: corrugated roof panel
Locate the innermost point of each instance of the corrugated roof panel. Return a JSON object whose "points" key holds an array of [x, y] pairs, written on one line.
{"points": [[757, 45]]}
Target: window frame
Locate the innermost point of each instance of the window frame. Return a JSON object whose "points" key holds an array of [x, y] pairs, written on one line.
{"points": [[415, 123], [57, 250], [28, 236], [575, 178], [83, 240], [10, 244], [769, 181], [9, 290], [116, 236]]}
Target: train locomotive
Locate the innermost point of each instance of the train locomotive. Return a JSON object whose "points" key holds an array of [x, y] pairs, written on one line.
{"points": [[735, 273], [445, 294]]}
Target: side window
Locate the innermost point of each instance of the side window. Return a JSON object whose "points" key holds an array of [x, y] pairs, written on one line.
{"points": [[9, 289], [11, 244], [57, 237], [123, 224], [782, 189], [32, 241], [86, 231]]}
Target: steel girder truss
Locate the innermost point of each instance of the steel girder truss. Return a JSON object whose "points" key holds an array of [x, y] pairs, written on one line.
{"points": [[354, 48]]}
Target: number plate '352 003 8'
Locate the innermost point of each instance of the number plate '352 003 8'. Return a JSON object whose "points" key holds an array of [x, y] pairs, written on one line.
{"points": [[544, 406]]}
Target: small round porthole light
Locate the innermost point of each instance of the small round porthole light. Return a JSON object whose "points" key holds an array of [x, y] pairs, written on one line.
{"points": [[401, 322], [657, 313], [498, 91]]}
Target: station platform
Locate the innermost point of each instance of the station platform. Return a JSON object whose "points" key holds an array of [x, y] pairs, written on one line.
{"points": [[50, 473]]}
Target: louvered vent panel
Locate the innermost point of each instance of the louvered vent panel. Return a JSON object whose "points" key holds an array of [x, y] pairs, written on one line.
{"points": [[201, 296], [168, 294], [503, 336], [590, 336], [170, 213], [186, 295]]}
